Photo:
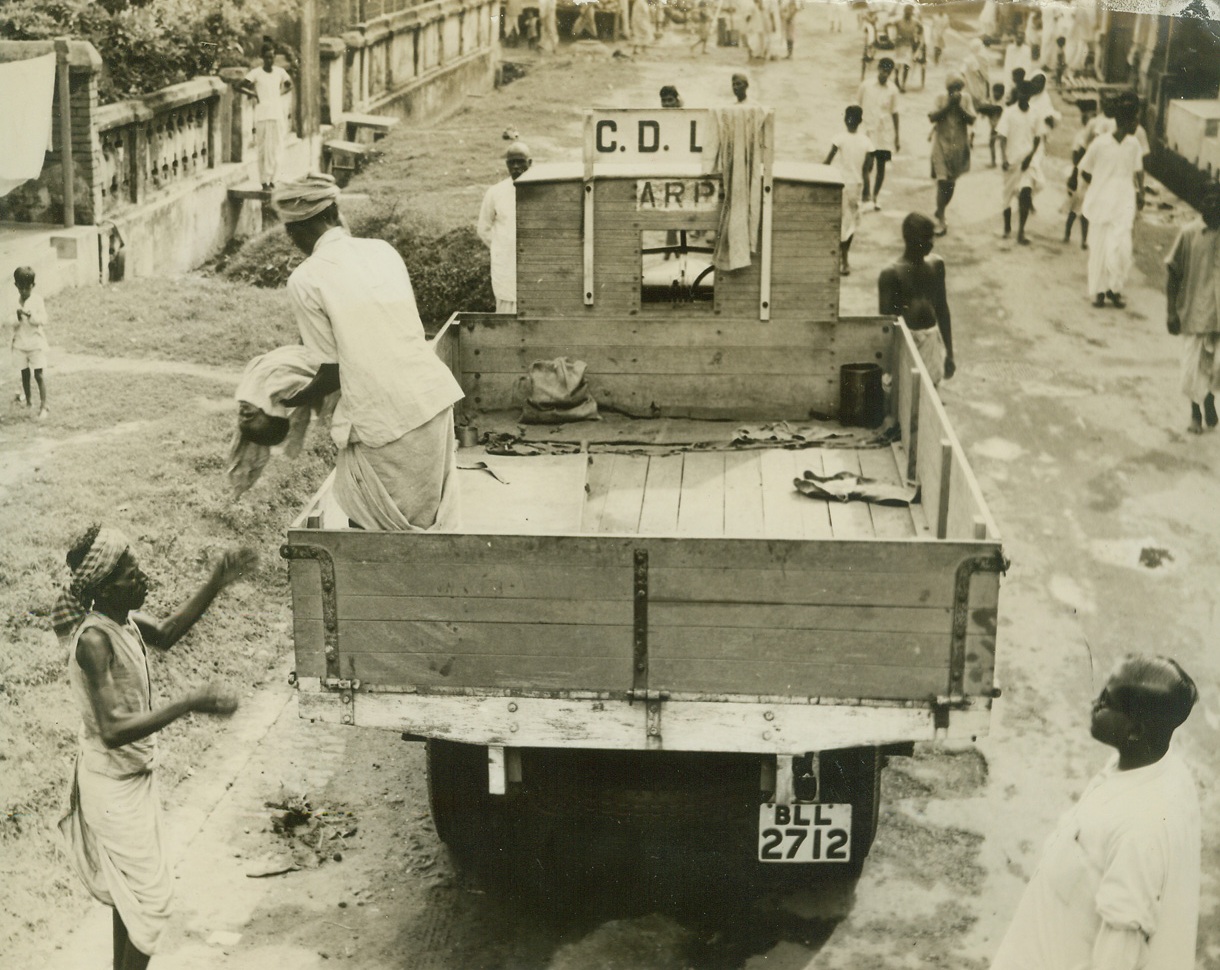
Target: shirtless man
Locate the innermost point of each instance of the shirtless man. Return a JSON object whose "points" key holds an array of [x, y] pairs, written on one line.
{"points": [[913, 287]]}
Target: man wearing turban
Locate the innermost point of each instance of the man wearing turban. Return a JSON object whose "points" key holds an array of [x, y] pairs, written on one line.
{"points": [[113, 823], [354, 305], [497, 227], [1118, 882]]}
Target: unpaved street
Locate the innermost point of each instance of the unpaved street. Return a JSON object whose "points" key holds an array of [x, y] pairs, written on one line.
{"points": [[1072, 419]]}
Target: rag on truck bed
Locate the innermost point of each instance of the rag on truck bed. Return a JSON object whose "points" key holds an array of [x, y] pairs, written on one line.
{"points": [[644, 610]]}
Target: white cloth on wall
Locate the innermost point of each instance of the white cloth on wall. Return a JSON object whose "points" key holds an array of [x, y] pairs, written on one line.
{"points": [[27, 92]]}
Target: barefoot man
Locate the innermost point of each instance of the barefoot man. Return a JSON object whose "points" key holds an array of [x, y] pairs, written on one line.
{"points": [[1193, 291], [951, 120], [396, 469], [113, 824], [913, 287]]}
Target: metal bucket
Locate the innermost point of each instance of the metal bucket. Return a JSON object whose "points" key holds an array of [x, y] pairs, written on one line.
{"points": [[861, 398]]}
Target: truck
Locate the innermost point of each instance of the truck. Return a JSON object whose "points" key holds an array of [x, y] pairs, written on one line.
{"points": [[644, 616]]}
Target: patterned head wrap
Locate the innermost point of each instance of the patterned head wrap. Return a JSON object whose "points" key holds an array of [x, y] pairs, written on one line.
{"points": [[99, 562], [304, 198]]}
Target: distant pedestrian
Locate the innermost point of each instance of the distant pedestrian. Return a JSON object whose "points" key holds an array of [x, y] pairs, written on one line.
{"points": [[848, 152], [754, 30], [868, 29], [907, 32], [879, 100], [1019, 133], [703, 26], [497, 227], [938, 29], [113, 824], [1076, 186], [1193, 290], [913, 287], [787, 15], [267, 85], [28, 317], [836, 15], [1113, 167], [741, 87], [951, 117], [1117, 886]]}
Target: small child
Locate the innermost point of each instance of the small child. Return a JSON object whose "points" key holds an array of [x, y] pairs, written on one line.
{"points": [[29, 343], [1075, 184], [851, 149], [264, 421]]}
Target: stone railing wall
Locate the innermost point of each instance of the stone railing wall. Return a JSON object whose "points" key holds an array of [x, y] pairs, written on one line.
{"points": [[161, 140], [380, 64]]}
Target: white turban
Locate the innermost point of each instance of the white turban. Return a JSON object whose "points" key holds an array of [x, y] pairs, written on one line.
{"points": [[304, 198]]}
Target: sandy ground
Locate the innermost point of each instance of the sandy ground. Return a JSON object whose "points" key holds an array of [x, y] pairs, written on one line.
{"points": [[1072, 419]]}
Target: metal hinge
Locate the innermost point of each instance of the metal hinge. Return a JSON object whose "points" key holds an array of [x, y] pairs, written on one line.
{"points": [[653, 700]]}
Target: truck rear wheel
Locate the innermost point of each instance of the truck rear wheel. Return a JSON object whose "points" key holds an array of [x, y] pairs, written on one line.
{"points": [[467, 817], [854, 775]]}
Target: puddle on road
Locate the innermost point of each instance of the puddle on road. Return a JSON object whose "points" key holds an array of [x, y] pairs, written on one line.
{"points": [[684, 917], [1147, 555], [998, 448]]}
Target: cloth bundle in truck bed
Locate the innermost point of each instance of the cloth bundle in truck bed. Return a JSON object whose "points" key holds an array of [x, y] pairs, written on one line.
{"points": [[557, 392]]}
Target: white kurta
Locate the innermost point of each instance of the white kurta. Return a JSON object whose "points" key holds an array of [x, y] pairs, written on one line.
{"points": [[498, 229], [1126, 855], [1109, 205]]}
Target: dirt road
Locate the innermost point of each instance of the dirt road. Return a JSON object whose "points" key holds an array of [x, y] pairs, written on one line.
{"points": [[1072, 419]]}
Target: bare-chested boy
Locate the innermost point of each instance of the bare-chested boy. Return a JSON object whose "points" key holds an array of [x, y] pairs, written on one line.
{"points": [[913, 287]]}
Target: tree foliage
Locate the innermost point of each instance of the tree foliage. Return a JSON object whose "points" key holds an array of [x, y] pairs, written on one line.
{"points": [[148, 45]]}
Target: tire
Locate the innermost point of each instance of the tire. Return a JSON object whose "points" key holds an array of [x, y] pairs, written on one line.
{"points": [[854, 775], [468, 819]]}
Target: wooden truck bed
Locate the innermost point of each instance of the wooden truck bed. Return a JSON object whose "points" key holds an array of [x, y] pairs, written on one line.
{"points": [[705, 568], [652, 586]]}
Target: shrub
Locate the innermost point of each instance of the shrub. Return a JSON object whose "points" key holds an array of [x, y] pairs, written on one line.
{"points": [[450, 268]]}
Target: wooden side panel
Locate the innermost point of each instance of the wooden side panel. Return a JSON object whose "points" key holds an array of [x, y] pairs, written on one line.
{"points": [[952, 498], [703, 368], [472, 611], [815, 618], [805, 252]]}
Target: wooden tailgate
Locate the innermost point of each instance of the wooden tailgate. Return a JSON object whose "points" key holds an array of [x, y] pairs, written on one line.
{"points": [[835, 620], [557, 614]]}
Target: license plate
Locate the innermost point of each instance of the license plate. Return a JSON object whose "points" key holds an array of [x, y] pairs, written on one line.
{"points": [[804, 833]]}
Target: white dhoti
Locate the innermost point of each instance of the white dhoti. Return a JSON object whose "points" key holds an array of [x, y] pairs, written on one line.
{"points": [[408, 485], [1110, 256], [1015, 180], [113, 834], [506, 306], [1200, 366], [267, 138], [851, 212], [931, 347]]}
